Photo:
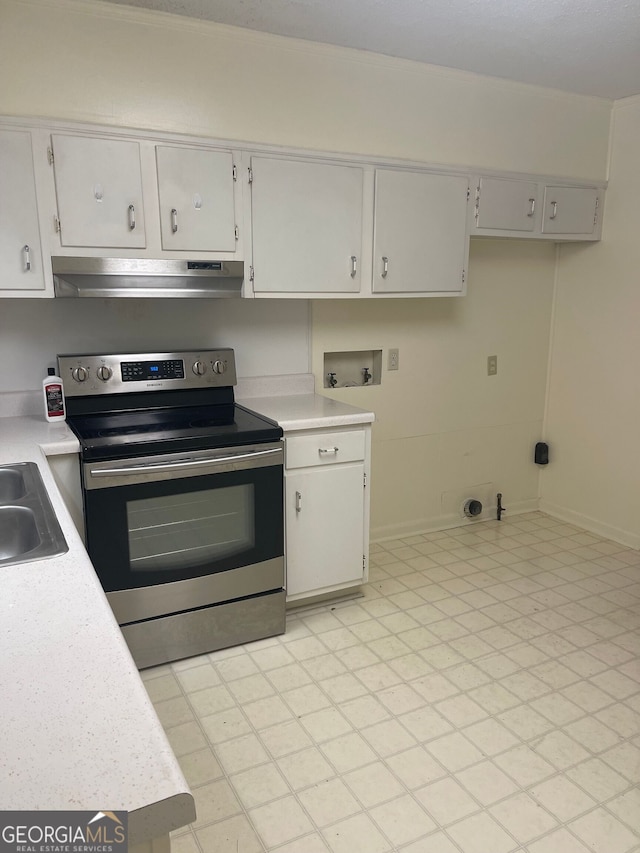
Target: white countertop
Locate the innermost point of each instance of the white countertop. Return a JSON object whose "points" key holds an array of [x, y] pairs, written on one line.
{"points": [[78, 729], [307, 411]]}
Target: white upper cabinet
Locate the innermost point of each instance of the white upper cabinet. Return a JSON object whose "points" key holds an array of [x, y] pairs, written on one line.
{"points": [[512, 207], [196, 194], [99, 192], [420, 232], [20, 249], [571, 211], [506, 205], [306, 226]]}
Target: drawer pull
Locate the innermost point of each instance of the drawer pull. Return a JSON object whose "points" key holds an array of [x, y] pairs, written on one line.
{"points": [[325, 450]]}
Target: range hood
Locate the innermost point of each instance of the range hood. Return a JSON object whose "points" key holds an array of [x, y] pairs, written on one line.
{"points": [[142, 277]]}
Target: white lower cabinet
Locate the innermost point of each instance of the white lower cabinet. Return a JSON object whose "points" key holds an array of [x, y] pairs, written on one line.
{"points": [[326, 511]]}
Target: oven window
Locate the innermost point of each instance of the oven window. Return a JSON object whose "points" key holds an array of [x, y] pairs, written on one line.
{"points": [[189, 530]]}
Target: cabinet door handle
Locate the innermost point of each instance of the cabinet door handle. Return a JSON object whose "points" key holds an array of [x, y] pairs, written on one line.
{"points": [[354, 266], [325, 450], [132, 217], [532, 207], [298, 501], [26, 251], [174, 220], [385, 267], [554, 209]]}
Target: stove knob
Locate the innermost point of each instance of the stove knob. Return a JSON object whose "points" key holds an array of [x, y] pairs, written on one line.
{"points": [[219, 367], [104, 372], [80, 374], [199, 368]]}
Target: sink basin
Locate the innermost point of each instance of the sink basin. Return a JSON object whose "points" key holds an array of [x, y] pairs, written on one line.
{"points": [[12, 486], [18, 531], [29, 529]]}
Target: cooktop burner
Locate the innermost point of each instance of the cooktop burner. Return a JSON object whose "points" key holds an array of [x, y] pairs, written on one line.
{"points": [[121, 434]]}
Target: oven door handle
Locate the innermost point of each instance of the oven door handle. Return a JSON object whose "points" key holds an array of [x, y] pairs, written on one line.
{"points": [[185, 464]]}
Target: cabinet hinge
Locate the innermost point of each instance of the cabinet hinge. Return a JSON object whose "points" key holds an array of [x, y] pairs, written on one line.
{"points": [[250, 170], [595, 213], [463, 276], [250, 273], [50, 155], [57, 224], [476, 212], [364, 481], [235, 172], [468, 193], [237, 233], [364, 564]]}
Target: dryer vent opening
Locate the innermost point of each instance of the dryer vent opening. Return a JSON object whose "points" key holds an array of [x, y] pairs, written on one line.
{"points": [[472, 508]]}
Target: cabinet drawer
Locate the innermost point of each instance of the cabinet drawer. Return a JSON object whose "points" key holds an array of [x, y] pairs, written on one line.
{"points": [[327, 448]]}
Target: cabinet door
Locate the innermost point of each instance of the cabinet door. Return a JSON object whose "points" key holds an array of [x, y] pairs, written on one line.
{"points": [[99, 191], [324, 527], [307, 226], [421, 242], [20, 251], [506, 205], [195, 188], [570, 210]]}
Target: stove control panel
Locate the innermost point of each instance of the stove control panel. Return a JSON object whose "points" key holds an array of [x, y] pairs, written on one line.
{"points": [[89, 375]]}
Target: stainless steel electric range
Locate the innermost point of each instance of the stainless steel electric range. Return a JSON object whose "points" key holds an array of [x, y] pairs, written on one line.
{"points": [[182, 491]]}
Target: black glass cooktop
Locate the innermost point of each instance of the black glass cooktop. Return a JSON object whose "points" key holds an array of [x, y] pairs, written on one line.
{"points": [[115, 435]]}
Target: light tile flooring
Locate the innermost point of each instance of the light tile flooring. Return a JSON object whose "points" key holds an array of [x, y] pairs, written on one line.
{"points": [[482, 697]]}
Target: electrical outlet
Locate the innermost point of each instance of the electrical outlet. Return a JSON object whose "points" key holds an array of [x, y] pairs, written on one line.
{"points": [[393, 359], [492, 365]]}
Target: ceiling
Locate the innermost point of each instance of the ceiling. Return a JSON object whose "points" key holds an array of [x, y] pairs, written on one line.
{"points": [[590, 47]]}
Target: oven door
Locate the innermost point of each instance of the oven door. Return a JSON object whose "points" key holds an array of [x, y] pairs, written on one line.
{"points": [[170, 532]]}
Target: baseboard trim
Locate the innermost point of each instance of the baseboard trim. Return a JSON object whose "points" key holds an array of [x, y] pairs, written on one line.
{"points": [[599, 528], [418, 526]]}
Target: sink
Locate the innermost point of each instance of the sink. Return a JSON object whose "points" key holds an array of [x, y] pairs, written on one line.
{"points": [[12, 485], [18, 531], [29, 529]]}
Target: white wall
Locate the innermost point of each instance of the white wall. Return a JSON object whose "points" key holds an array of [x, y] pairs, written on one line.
{"points": [[593, 420], [443, 425], [269, 338], [79, 59]]}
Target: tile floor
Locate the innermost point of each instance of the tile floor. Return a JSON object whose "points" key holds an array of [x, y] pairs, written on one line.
{"points": [[482, 697]]}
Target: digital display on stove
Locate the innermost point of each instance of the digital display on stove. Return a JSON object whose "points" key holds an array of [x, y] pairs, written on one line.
{"points": [[138, 371]]}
